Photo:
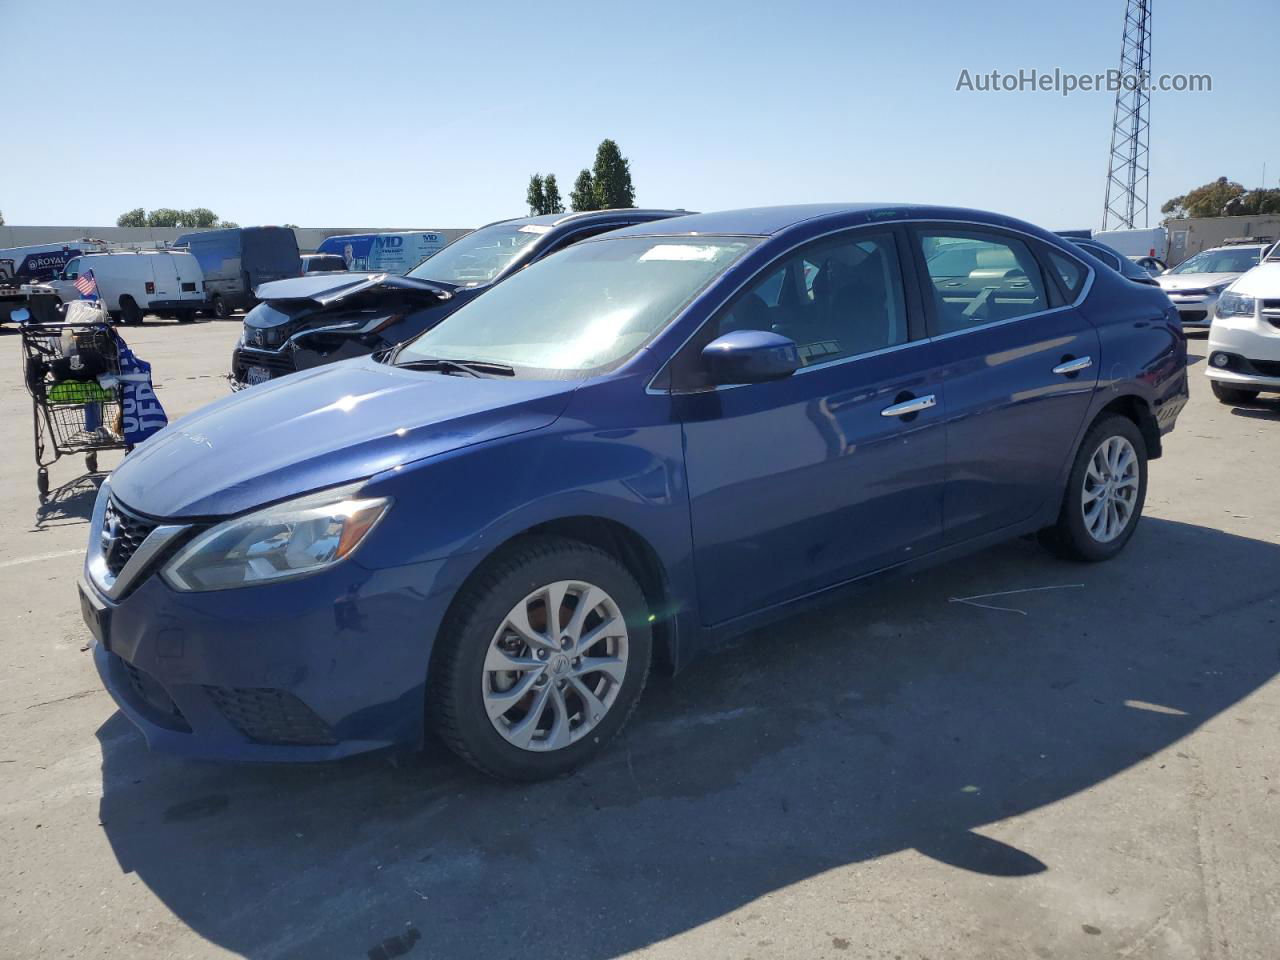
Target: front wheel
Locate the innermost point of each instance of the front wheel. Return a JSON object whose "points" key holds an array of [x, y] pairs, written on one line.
{"points": [[1232, 395], [221, 309], [541, 660], [1105, 493]]}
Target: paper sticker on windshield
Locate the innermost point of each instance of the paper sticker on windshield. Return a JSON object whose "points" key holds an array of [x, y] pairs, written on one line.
{"points": [[535, 228], [681, 251]]}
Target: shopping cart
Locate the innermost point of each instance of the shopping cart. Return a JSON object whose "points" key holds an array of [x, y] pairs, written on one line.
{"points": [[72, 371]]}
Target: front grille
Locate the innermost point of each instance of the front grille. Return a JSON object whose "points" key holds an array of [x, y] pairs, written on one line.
{"points": [[149, 695], [265, 715], [1193, 316], [1187, 293], [277, 363], [122, 534], [265, 337], [1271, 304]]}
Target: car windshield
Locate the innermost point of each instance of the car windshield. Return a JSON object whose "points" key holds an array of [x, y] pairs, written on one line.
{"points": [[1221, 261], [583, 310], [479, 256]]}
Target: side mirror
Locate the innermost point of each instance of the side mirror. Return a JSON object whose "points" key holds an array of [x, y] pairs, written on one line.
{"points": [[750, 356]]}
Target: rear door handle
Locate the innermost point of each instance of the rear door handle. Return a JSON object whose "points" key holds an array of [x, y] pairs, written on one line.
{"points": [[908, 407], [1068, 367]]}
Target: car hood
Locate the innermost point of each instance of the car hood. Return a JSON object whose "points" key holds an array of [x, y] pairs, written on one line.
{"points": [[1194, 281], [328, 288], [1262, 281], [321, 428]]}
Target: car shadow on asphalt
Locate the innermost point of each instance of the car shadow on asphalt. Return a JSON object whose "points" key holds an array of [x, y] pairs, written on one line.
{"points": [[1259, 410], [902, 720]]}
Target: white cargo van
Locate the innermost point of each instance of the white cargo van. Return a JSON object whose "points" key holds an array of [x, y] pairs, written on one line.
{"points": [[136, 282]]}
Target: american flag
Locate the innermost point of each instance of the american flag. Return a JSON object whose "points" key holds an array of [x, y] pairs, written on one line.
{"points": [[87, 286]]}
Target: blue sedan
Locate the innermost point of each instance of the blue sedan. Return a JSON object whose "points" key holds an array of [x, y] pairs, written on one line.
{"points": [[656, 438]]}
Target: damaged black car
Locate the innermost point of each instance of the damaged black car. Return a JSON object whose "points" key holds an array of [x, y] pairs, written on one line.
{"points": [[307, 321]]}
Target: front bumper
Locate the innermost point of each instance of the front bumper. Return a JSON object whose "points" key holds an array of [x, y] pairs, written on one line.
{"points": [[275, 363], [309, 669], [1251, 346], [1195, 310]]}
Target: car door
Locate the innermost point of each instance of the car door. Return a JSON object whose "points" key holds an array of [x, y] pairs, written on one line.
{"points": [[64, 283], [1019, 364], [798, 484], [165, 273]]}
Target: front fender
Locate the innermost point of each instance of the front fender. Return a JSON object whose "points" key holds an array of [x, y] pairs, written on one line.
{"points": [[614, 455]]}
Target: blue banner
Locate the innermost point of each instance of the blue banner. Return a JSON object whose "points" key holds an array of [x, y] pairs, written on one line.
{"points": [[143, 414]]}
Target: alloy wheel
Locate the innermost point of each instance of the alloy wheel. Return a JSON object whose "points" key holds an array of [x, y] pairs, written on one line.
{"points": [[1110, 489], [555, 665]]}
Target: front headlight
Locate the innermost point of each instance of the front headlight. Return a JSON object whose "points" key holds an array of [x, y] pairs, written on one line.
{"points": [[1236, 305], [1217, 287], [291, 539]]}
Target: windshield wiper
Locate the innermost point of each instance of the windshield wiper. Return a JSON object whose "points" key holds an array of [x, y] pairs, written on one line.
{"points": [[472, 368]]}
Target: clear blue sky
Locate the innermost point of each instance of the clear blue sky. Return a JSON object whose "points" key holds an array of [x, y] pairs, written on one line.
{"points": [[434, 114]]}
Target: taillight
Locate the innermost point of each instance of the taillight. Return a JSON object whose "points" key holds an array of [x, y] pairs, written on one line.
{"points": [[151, 287]]}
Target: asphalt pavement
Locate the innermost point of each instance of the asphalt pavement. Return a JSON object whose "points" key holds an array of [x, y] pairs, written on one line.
{"points": [[1087, 765]]}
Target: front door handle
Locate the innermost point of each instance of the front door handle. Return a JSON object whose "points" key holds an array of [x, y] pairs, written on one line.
{"points": [[908, 407], [1069, 367]]}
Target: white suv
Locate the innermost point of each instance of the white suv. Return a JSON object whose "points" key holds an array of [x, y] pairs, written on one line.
{"points": [[1244, 338]]}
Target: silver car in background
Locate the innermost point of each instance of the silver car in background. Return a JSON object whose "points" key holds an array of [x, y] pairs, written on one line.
{"points": [[1195, 284]]}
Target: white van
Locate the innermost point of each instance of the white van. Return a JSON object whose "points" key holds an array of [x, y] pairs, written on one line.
{"points": [[136, 282]]}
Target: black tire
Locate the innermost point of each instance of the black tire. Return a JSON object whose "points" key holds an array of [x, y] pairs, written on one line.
{"points": [[42, 483], [1232, 395], [1069, 538], [130, 311], [91, 462], [220, 308], [186, 316], [455, 700]]}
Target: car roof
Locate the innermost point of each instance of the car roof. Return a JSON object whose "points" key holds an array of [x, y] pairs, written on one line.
{"points": [[593, 216], [1237, 246], [766, 221]]}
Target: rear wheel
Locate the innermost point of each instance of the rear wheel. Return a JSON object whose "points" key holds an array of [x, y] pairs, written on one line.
{"points": [[220, 308], [541, 661], [129, 310], [1232, 395], [1105, 493]]}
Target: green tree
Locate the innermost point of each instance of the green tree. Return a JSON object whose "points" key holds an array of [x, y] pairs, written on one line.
{"points": [[137, 217], [583, 194], [228, 224], [551, 195], [612, 176], [1, 219], [164, 217], [1209, 200], [535, 196], [199, 217]]}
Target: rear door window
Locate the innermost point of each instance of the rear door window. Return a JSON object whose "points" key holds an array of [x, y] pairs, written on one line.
{"points": [[979, 277]]}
